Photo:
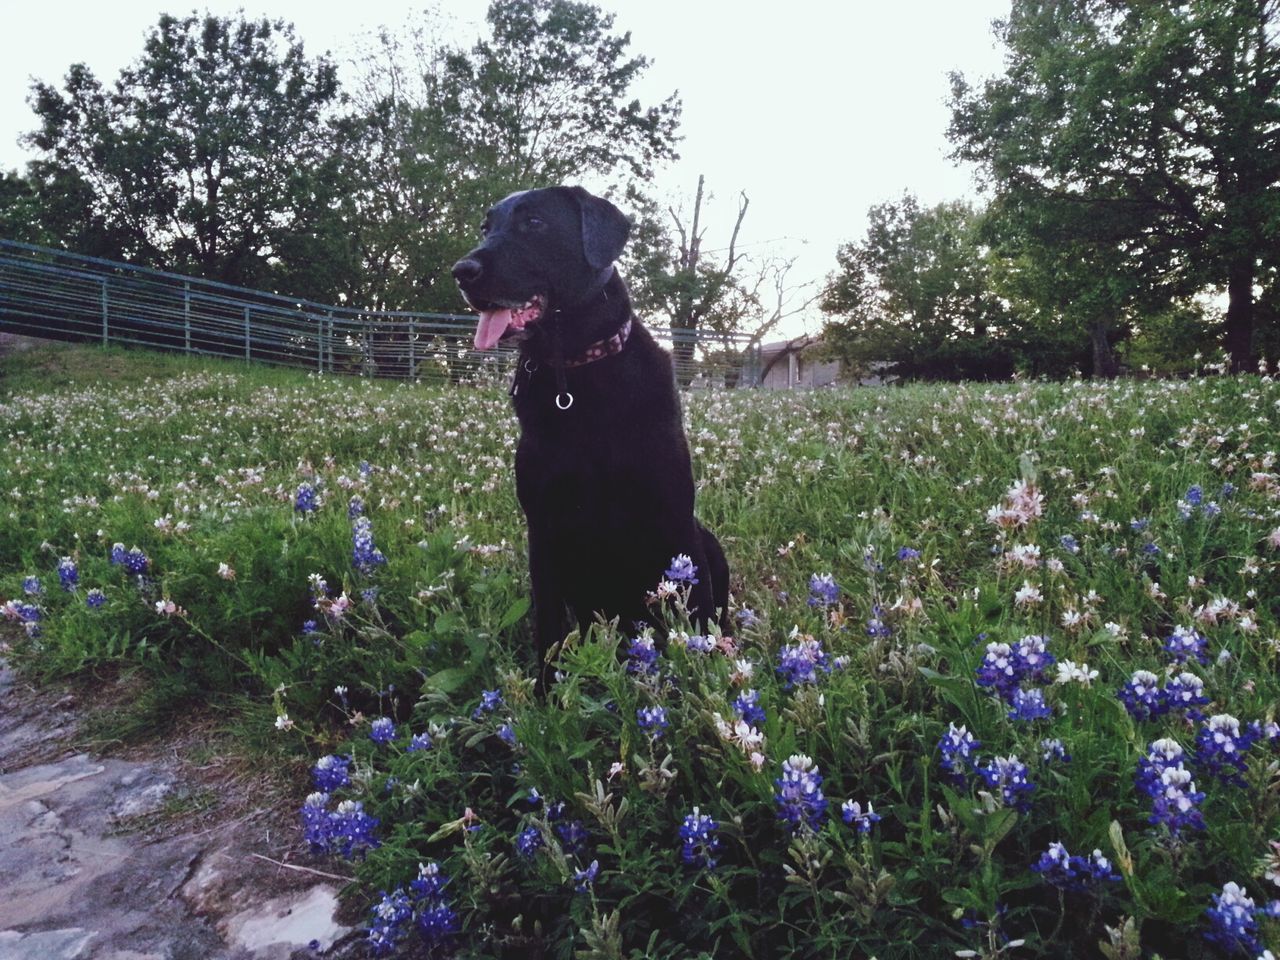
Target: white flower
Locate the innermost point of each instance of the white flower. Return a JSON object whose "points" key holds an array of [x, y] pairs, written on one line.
{"points": [[1069, 672], [283, 722], [226, 571], [1027, 595]]}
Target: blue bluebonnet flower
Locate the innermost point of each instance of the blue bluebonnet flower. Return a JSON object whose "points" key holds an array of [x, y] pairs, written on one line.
{"points": [[370, 595], [364, 555], [700, 644], [800, 662], [355, 508], [309, 627], [747, 618], [1009, 775], [823, 590], [747, 706], [529, 841], [388, 922], [419, 742], [1029, 705], [95, 598], [490, 700], [331, 773], [1185, 643], [351, 829], [1138, 526], [1034, 659], [573, 835], [1052, 751], [1221, 746], [642, 656], [304, 500], [135, 561], [32, 586], [1058, 867], [852, 813], [1232, 922], [698, 840], [682, 570], [1069, 543], [68, 574], [876, 627], [1185, 692], [1194, 495], [507, 734], [27, 614], [957, 746], [999, 669], [799, 797], [1174, 798], [366, 469], [117, 554], [584, 878], [870, 562], [908, 553], [315, 821], [346, 831], [652, 720], [382, 730], [1142, 696], [437, 920], [1228, 491], [1211, 509]]}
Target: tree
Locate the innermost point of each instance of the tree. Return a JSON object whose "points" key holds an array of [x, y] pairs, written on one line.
{"points": [[207, 154], [916, 293], [439, 134], [701, 291], [1160, 118]]}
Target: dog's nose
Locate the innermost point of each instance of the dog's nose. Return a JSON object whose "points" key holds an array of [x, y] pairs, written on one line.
{"points": [[467, 270]]}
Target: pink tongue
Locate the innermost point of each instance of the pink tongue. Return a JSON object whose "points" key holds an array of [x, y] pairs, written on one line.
{"points": [[493, 324]]}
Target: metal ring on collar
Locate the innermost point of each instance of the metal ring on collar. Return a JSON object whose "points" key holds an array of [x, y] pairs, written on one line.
{"points": [[564, 406], [530, 366]]}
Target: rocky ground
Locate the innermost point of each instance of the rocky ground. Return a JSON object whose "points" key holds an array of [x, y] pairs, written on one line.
{"points": [[145, 854]]}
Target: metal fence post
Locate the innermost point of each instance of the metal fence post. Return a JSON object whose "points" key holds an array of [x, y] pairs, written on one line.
{"points": [[104, 311], [186, 316], [319, 344], [412, 358], [329, 340], [246, 333]]}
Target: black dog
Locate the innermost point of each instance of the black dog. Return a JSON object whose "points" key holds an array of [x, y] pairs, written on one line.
{"points": [[602, 467]]}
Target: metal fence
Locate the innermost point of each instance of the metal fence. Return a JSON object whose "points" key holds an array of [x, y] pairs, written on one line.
{"points": [[64, 296]]}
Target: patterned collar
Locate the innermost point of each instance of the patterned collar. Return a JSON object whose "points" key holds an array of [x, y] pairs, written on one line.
{"points": [[601, 348]]}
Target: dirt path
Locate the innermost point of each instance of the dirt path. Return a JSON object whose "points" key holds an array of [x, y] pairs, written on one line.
{"points": [[100, 857]]}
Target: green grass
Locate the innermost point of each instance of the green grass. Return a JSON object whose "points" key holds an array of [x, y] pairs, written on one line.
{"points": [[200, 464]]}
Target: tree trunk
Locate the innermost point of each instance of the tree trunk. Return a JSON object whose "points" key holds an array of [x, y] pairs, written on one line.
{"points": [[1104, 358], [1239, 341]]}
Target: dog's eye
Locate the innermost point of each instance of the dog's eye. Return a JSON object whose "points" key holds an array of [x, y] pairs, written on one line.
{"points": [[534, 223]]}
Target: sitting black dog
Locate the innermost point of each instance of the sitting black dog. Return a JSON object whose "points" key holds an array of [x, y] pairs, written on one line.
{"points": [[602, 467]]}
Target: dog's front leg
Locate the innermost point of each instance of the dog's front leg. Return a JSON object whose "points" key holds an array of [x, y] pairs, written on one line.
{"points": [[548, 605]]}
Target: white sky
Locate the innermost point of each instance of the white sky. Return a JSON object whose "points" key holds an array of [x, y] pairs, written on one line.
{"points": [[818, 109]]}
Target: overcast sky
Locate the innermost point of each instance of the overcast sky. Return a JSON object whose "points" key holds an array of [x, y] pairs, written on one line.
{"points": [[818, 110]]}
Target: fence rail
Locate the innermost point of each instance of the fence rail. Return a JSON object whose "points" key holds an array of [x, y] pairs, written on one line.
{"points": [[64, 296]]}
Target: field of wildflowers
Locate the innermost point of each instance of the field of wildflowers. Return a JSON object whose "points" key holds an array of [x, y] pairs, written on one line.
{"points": [[1002, 682]]}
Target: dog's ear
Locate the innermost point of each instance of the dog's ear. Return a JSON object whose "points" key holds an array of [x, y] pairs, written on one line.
{"points": [[604, 228]]}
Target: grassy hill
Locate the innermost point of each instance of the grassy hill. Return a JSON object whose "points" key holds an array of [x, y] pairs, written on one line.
{"points": [[995, 618]]}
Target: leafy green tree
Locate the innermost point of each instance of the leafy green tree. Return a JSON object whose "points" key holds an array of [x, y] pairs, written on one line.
{"points": [[1162, 119], [916, 293], [206, 155], [440, 133]]}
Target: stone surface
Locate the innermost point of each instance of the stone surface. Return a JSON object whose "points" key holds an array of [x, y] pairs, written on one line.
{"points": [[84, 876]]}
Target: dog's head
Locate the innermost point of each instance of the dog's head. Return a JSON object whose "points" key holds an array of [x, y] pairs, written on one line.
{"points": [[543, 250]]}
